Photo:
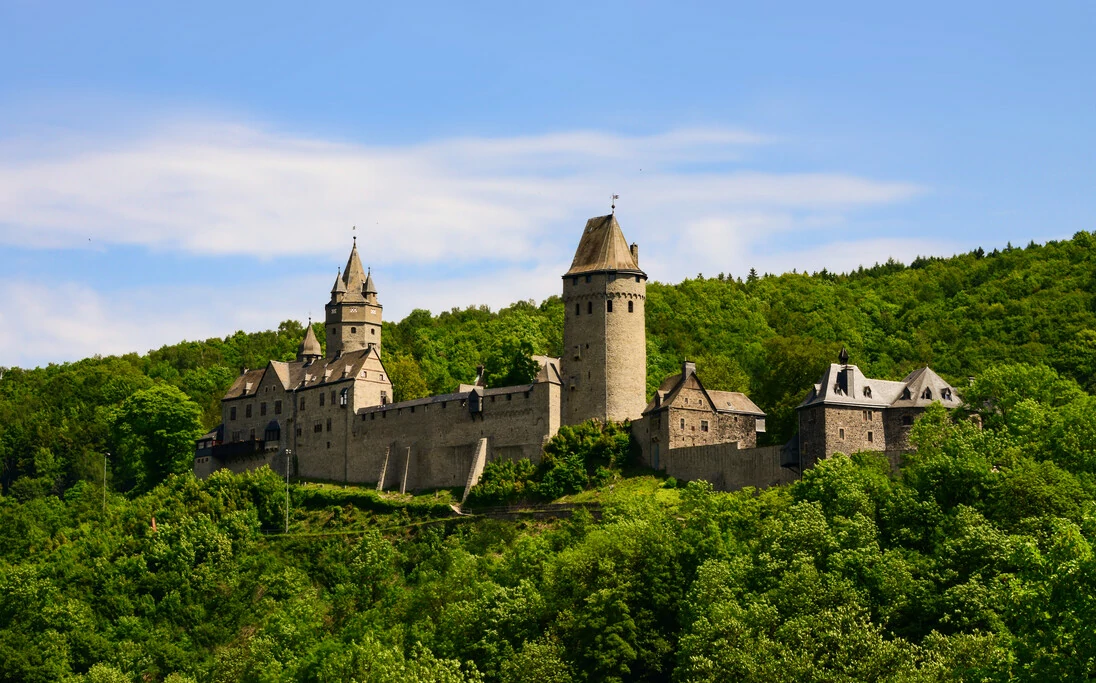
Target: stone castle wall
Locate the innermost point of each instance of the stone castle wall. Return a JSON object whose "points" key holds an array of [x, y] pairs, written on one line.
{"points": [[604, 362], [727, 467], [428, 443]]}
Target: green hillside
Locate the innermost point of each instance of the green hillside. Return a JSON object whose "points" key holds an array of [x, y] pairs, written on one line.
{"points": [[975, 563], [770, 336]]}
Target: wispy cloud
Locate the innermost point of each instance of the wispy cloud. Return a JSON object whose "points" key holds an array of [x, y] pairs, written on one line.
{"points": [[476, 211]]}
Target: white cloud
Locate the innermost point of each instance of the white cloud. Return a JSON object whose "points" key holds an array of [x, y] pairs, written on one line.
{"points": [[445, 223], [235, 189]]}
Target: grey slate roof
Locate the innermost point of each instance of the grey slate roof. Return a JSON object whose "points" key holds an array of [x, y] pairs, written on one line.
{"points": [[309, 346], [603, 248], [846, 385], [721, 401]]}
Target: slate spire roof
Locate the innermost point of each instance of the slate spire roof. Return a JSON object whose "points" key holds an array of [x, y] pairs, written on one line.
{"points": [[310, 346], [354, 274], [603, 248]]}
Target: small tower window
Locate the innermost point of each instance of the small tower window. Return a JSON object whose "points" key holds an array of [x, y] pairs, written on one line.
{"points": [[372, 330], [609, 306], [589, 307], [683, 423], [333, 331], [871, 437], [637, 278], [353, 330], [841, 434], [587, 278], [578, 311], [574, 281], [630, 304]]}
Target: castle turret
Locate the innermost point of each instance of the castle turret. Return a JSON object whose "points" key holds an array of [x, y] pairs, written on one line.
{"points": [[309, 349], [353, 314], [604, 362]]}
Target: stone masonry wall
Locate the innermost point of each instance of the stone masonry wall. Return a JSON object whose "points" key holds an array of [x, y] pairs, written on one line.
{"points": [[441, 437], [727, 467], [604, 362]]}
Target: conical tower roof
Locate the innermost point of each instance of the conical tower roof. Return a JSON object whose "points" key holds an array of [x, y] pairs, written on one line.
{"points": [[603, 248], [370, 288], [339, 287], [310, 346], [354, 275]]}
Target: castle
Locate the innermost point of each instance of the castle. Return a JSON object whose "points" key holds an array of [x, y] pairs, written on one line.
{"points": [[328, 416]]}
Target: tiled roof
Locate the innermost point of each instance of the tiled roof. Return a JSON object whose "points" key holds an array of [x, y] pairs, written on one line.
{"points": [[603, 247]]}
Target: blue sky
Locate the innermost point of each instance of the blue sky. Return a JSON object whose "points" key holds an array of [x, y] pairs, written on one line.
{"points": [[178, 172]]}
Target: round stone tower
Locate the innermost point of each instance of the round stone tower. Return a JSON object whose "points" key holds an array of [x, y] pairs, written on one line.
{"points": [[353, 317], [604, 364]]}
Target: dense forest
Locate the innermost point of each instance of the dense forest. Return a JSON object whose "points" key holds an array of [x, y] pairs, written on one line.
{"points": [[974, 562], [770, 336]]}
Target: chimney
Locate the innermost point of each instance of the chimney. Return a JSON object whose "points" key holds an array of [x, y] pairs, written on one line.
{"points": [[635, 252], [688, 368]]}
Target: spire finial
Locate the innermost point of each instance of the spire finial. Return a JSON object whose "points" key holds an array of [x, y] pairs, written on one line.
{"points": [[843, 357], [354, 235], [613, 198]]}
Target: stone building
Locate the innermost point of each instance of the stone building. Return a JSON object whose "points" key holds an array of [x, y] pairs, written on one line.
{"points": [[604, 360], [683, 414], [329, 417], [847, 412]]}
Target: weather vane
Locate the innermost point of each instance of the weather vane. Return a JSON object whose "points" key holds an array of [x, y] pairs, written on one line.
{"points": [[613, 199], [354, 231]]}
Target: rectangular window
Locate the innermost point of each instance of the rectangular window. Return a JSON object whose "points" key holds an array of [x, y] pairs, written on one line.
{"points": [[589, 307], [321, 398], [609, 306], [703, 425], [235, 436], [870, 437], [302, 403], [587, 278], [247, 410], [578, 311], [841, 433], [332, 397], [329, 424], [637, 278], [277, 407], [317, 428], [298, 431], [630, 306], [574, 281], [252, 435], [683, 423], [871, 415], [509, 397], [232, 413], [384, 398], [262, 408]]}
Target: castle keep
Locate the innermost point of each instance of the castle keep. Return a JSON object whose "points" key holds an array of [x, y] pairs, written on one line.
{"points": [[328, 416]]}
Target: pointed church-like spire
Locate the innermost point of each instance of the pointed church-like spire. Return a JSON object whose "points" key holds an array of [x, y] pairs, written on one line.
{"points": [[309, 348]]}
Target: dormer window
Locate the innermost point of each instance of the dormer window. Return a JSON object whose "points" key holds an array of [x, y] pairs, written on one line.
{"points": [[867, 392], [945, 394], [906, 395], [927, 394]]}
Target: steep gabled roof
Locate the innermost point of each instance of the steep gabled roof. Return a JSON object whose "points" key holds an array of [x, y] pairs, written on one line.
{"points": [[603, 248], [720, 401], [246, 384], [846, 385]]}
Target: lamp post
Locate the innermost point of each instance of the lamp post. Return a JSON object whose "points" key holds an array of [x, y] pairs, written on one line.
{"points": [[288, 454]]}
